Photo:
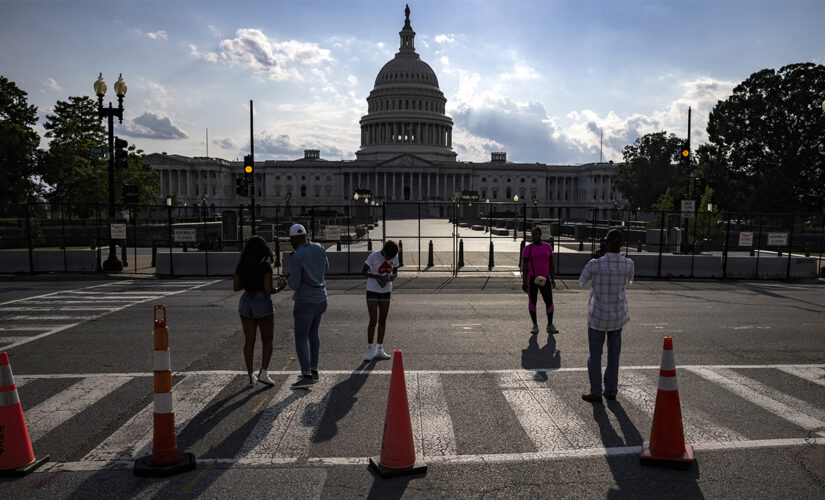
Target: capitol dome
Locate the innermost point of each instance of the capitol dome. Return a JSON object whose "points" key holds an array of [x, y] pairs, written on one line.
{"points": [[405, 110]]}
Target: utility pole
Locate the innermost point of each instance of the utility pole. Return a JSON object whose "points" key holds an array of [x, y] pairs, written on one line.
{"points": [[252, 184]]}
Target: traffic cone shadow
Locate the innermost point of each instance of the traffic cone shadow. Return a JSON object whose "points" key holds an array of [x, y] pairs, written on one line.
{"points": [[16, 454], [667, 446], [397, 447]]}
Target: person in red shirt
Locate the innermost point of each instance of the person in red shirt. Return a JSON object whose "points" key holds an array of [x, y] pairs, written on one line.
{"points": [[539, 277]]}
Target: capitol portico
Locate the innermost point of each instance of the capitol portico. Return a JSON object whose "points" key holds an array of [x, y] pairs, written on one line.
{"points": [[406, 154]]}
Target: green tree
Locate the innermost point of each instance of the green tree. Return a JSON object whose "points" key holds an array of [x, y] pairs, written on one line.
{"points": [[650, 168], [769, 139], [18, 145], [705, 226], [72, 174], [141, 175]]}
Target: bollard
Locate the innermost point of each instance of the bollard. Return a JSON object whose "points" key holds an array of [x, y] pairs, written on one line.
{"points": [[491, 264], [779, 253], [520, 253], [639, 246], [123, 255], [369, 244], [185, 247], [461, 253], [581, 246], [93, 244], [807, 252], [154, 252], [400, 253], [753, 252], [338, 245], [430, 260]]}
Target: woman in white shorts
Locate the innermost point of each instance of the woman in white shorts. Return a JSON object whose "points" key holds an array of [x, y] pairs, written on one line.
{"points": [[380, 268]]}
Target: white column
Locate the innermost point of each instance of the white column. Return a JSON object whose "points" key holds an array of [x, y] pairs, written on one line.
{"points": [[437, 190], [419, 187]]}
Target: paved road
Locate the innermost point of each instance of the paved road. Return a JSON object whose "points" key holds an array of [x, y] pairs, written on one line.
{"points": [[496, 411]]}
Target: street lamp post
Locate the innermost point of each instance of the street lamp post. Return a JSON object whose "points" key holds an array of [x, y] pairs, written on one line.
{"points": [[515, 217], [112, 263], [169, 224]]}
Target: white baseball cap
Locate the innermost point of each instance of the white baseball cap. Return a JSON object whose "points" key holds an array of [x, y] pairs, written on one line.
{"points": [[296, 230]]}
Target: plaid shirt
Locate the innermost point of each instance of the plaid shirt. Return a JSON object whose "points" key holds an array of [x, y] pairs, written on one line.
{"points": [[607, 308]]}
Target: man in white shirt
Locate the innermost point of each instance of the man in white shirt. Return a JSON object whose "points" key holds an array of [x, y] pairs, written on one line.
{"points": [[607, 313]]}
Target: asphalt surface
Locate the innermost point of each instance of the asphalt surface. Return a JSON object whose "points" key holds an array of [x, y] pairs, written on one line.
{"points": [[496, 412]]}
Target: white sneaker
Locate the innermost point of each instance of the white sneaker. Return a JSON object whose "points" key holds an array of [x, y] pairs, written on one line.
{"points": [[263, 377], [380, 354], [252, 380], [368, 355], [535, 329]]}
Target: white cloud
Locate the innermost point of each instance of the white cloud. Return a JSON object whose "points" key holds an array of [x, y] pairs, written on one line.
{"points": [[280, 60], [158, 35], [442, 39], [520, 72], [158, 95], [152, 125], [225, 143], [52, 84], [352, 80]]}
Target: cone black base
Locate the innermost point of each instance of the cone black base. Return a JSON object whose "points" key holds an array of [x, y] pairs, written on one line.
{"points": [[144, 466], [388, 472], [26, 469]]}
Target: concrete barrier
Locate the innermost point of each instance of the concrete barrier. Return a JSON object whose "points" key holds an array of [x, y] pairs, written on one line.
{"points": [[78, 261], [771, 267], [194, 263], [339, 262], [673, 266]]}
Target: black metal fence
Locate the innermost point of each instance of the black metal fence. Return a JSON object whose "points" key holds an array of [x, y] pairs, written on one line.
{"points": [[456, 237]]}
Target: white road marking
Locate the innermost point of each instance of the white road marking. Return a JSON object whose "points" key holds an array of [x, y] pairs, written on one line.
{"points": [[432, 425], [813, 374], [134, 438], [106, 310], [641, 390], [783, 406], [283, 432], [55, 308], [69, 402], [546, 418]]}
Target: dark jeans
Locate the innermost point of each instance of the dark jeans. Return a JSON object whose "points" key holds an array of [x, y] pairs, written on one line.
{"points": [[594, 362], [307, 318]]}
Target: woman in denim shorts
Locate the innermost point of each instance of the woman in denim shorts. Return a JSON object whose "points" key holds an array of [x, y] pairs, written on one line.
{"points": [[254, 275], [381, 269]]}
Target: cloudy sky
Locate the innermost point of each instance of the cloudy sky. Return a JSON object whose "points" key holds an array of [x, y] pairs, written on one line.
{"points": [[537, 79]]}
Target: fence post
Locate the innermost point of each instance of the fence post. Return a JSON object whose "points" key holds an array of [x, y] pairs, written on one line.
{"points": [[312, 222], [134, 218], [206, 246], [169, 224], [97, 243], [661, 243], [384, 222], [725, 250], [29, 238], [821, 247], [520, 253], [63, 231], [123, 254], [790, 247], [154, 251], [419, 236]]}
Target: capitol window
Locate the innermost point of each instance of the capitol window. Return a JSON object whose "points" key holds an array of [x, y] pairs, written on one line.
{"points": [[303, 190]]}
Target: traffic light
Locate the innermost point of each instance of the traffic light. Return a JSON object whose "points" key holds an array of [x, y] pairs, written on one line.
{"points": [[130, 194], [699, 183], [120, 152], [684, 152], [249, 169], [241, 187]]}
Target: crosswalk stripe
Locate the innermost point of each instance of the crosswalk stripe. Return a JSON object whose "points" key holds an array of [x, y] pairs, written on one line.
{"points": [[640, 391], [432, 425], [55, 308], [61, 407], [545, 417], [786, 407], [813, 374], [134, 438], [283, 432]]}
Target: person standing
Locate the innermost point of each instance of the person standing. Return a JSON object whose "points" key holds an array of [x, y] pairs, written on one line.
{"points": [[381, 269], [539, 276], [307, 268], [253, 274], [607, 313]]}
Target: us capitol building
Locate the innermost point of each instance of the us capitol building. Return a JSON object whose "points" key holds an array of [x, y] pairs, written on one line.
{"points": [[406, 153]]}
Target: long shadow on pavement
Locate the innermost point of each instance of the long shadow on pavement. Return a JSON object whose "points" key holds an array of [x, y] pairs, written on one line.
{"points": [[342, 398], [535, 357]]}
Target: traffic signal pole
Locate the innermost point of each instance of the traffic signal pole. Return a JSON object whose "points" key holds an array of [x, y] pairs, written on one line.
{"points": [[252, 184]]}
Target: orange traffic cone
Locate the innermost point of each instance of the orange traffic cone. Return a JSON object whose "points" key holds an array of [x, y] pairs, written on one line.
{"points": [[667, 439], [165, 460], [16, 454], [397, 447]]}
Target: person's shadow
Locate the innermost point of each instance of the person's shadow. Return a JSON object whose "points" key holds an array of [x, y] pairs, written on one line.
{"points": [[539, 358], [630, 476], [341, 399]]}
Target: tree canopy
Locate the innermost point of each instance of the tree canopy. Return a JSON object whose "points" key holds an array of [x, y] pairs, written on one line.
{"points": [[18, 145], [650, 167], [767, 141]]}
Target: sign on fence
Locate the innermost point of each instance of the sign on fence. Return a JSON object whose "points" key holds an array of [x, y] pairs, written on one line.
{"points": [[545, 230], [746, 239], [118, 231], [185, 235], [777, 239], [688, 208], [333, 232]]}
